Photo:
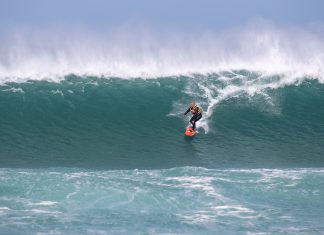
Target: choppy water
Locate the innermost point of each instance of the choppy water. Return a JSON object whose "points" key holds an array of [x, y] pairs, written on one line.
{"points": [[187, 200]]}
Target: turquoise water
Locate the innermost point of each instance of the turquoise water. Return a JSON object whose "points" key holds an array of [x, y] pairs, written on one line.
{"points": [[127, 124], [102, 155], [186, 200]]}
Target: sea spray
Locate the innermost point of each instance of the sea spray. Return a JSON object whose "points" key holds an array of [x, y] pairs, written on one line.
{"points": [[50, 54]]}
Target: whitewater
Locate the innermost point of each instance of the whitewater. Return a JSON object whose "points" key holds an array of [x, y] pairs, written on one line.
{"points": [[92, 131], [143, 52]]}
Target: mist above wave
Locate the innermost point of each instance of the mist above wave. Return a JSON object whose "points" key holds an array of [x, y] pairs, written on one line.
{"points": [[131, 52]]}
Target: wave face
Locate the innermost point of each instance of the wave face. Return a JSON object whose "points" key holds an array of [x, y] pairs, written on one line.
{"points": [[250, 120], [185, 200]]}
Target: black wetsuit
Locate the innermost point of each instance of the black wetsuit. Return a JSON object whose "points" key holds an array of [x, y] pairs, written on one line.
{"points": [[194, 118]]}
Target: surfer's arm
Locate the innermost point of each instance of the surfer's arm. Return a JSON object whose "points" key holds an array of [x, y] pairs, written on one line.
{"points": [[187, 111]]}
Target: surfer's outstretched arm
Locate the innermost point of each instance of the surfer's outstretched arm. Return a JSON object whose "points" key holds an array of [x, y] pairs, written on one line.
{"points": [[187, 111]]}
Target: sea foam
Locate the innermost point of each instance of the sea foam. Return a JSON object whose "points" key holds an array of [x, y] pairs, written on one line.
{"points": [[51, 54]]}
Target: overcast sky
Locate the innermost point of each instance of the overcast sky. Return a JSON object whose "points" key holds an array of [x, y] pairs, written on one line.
{"points": [[175, 14]]}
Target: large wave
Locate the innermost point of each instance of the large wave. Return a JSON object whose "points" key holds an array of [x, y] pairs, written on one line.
{"points": [[249, 120], [260, 88]]}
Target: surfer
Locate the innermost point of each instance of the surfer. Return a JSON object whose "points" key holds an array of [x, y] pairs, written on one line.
{"points": [[196, 114]]}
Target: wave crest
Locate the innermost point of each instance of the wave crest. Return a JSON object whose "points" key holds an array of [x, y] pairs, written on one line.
{"points": [[52, 54]]}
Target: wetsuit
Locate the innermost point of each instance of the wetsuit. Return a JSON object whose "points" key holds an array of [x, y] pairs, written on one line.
{"points": [[196, 115]]}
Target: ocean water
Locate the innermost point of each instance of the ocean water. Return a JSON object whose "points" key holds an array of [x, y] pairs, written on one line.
{"points": [[114, 123], [92, 135], [91, 155], [184, 200]]}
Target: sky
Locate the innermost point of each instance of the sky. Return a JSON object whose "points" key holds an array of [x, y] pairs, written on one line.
{"points": [[174, 14]]}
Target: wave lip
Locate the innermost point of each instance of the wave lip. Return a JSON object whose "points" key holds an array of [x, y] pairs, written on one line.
{"points": [[42, 55]]}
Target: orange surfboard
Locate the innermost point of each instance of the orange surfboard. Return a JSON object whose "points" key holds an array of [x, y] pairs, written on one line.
{"points": [[190, 132]]}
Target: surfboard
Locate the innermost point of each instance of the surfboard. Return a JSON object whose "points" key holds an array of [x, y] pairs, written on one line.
{"points": [[190, 132]]}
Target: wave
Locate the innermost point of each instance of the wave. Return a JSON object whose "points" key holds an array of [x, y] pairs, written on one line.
{"points": [[51, 54], [250, 120]]}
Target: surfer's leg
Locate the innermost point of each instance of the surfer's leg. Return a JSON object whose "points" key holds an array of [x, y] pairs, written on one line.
{"points": [[198, 117], [192, 121], [195, 118]]}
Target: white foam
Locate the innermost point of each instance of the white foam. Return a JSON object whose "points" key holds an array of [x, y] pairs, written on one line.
{"points": [[235, 211], [4, 209], [202, 183], [57, 92], [44, 203], [50, 53], [15, 90]]}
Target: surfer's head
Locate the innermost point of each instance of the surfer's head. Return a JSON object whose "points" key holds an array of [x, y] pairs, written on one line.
{"points": [[193, 104]]}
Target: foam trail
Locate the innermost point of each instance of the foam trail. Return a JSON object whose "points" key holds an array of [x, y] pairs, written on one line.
{"points": [[211, 92], [52, 54]]}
